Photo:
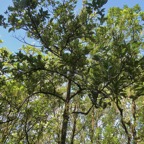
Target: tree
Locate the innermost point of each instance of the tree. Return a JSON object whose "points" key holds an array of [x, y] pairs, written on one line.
{"points": [[122, 45], [77, 87], [59, 31]]}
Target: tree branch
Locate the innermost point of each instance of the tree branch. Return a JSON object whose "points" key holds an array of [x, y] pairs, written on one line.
{"points": [[50, 93], [84, 113]]}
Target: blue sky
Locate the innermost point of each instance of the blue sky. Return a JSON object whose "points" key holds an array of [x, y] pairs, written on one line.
{"points": [[13, 44]]}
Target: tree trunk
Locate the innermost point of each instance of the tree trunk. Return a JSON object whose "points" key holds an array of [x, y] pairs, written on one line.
{"points": [[66, 114], [92, 127], [133, 129], [74, 127]]}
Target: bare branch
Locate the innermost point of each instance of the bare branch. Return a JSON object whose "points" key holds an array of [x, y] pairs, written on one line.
{"points": [[24, 41]]}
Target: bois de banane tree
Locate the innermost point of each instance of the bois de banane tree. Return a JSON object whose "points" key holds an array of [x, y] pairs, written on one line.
{"points": [[83, 83]]}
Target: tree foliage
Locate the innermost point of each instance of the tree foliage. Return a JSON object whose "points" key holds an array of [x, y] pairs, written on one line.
{"points": [[85, 83]]}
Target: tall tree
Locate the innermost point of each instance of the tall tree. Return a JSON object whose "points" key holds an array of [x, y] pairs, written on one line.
{"points": [[63, 35]]}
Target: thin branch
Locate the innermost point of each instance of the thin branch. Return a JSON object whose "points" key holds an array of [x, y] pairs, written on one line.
{"points": [[79, 91], [84, 113], [53, 94], [24, 41]]}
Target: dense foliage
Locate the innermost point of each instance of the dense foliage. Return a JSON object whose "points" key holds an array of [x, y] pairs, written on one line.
{"points": [[83, 85]]}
